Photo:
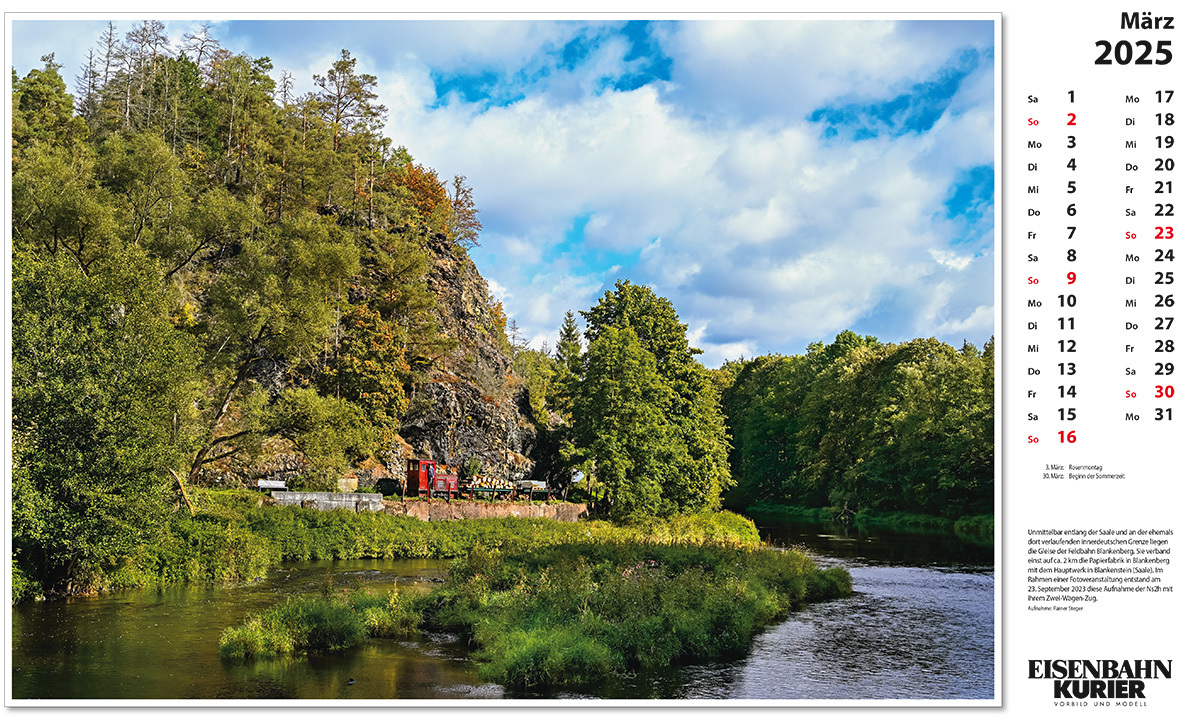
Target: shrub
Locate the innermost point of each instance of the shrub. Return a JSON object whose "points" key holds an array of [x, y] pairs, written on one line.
{"points": [[574, 613], [297, 626], [23, 587], [323, 624]]}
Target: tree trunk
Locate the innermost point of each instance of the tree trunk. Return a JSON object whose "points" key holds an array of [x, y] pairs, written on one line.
{"points": [[202, 455]]}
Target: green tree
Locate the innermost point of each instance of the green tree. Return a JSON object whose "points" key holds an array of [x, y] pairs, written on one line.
{"points": [[827, 416], [42, 109], [148, 186], [939, 408], [861, 425], [621, 421], [59, 207], [102, 396], [389, 337], [699, 468], [346, 98], [244, 94], [372, 369], [464, 217], [763, 408], [568, 367], [275, 302], [651, 317], [330, 432]]}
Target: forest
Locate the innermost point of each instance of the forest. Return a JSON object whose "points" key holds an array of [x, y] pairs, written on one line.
{"points": [[859, 424], [207, 266]]}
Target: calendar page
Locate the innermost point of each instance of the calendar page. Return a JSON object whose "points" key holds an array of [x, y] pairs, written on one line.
{"points": [[1087, 529], [826, 357]]}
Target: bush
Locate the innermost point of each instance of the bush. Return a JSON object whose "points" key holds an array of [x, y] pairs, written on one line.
{"points": [[977, 529], [23, 587], [323, 624], [575, 613], [794, 513], [297, 626], [548, 656]]}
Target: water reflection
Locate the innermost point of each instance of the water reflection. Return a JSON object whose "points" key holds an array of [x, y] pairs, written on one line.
{"points": [[163, 644], [919, 625]]}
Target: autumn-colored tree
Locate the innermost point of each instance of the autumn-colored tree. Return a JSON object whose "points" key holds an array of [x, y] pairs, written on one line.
{"points": [[428, 195]]}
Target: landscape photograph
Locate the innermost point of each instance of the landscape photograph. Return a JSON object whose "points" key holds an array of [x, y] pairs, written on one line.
{"points": [[500, 361]]}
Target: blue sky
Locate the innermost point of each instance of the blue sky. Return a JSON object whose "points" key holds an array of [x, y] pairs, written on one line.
{"points": [[779, 181]]}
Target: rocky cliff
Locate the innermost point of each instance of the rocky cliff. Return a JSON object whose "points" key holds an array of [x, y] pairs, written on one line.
{"points": [[472, 406]]}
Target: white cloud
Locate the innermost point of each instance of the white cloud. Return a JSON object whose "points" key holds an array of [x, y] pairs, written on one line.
{"points": [[497, 290], [761, 233], [713, 186], [747, 68], [716, 354], [950, 259], [981, 320]]}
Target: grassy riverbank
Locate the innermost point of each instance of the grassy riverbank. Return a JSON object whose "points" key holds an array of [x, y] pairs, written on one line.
{"points": [[575, 611], [974, 529], [232, 538]]}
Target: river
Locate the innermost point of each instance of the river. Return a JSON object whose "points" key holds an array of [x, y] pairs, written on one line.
{"points": [[920, 624]]}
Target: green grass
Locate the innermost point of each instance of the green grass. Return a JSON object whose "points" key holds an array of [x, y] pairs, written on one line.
{"points": [[323, 624], [596, 602], [580, 613], [231, 538]]}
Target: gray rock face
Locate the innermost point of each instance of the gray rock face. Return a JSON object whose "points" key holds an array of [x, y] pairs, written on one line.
{"points": [[473, 406], [455, 422]]}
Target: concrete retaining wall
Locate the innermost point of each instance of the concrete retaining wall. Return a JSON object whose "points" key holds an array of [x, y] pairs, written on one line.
{"points": [[453, 511], [328, 501]]}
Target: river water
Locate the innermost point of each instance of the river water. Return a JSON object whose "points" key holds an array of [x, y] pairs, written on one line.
{"points": [[919, 625]]}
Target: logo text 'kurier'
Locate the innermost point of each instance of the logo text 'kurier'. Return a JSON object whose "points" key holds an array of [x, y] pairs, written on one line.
{"points": [[1082, 678]]}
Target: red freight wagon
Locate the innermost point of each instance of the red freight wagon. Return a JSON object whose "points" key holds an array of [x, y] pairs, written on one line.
{"points": [[426, 478]]}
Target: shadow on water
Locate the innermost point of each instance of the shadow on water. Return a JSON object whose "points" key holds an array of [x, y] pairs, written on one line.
{"points": [[919, 625], [875, 545]]}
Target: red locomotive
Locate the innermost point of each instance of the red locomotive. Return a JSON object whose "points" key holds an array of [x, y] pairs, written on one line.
{"points": [[426, 478]]}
